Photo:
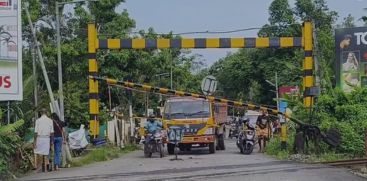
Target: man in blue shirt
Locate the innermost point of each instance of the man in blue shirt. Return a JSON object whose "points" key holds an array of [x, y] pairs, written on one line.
{"points": [[153, 125]]}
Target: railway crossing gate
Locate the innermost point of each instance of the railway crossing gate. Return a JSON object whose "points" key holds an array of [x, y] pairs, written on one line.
{"points": [[94, 44]]}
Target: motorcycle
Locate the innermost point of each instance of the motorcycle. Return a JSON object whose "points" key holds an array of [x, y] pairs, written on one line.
{"points": [[154, 143], [233, 132], [235, 128], [247, 139]]}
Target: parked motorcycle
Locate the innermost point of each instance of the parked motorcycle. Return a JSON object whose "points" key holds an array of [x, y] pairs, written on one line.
{"points": [[247, 138], [154, 143], [233, 131], [235, 128]]}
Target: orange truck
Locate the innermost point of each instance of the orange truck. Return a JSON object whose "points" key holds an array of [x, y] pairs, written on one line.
{"points": [[201, 122]]}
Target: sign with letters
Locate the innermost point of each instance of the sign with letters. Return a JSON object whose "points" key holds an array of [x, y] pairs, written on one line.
{"points": [[10, 51], [351, 58]]}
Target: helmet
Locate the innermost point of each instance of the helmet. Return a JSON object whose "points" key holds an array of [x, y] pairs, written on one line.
{"points": [[151, 115]]}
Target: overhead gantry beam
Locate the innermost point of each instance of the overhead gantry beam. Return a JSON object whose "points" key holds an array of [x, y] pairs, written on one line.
{"points": [[276, 42]]}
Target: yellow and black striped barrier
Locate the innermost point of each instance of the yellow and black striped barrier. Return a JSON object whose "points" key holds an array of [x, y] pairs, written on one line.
{"points": [[266, 42], [149, 88], [305, 42]]}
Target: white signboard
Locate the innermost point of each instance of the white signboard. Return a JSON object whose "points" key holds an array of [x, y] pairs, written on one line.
{"points": [[11, 83], [209, 85]]}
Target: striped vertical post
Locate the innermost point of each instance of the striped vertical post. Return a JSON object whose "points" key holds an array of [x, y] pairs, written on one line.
{"points": [[283, 136], [308, 80], [93, 84]]}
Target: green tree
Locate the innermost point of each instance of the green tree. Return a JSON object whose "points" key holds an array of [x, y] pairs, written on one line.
{"points": [[348, 22], [137, 65]]}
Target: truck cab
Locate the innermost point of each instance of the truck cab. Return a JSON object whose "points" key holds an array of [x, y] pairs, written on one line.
{"points": [[196, 118]]}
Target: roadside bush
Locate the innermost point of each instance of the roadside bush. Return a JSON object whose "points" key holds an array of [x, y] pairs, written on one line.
{"points": [[345, 112], [9, 144]]}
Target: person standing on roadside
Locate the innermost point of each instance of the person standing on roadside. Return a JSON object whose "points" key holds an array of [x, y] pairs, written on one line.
{"points": [[43, 138], [263, 130], [59, 138]]}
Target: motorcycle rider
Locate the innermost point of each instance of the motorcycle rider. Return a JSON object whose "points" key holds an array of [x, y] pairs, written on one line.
{"points": [[153, 128], [152, 125], [246, 124]]}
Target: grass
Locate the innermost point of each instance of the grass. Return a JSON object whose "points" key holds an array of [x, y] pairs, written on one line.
{"points": [[102, 154], [273, 149], [328, 157]]}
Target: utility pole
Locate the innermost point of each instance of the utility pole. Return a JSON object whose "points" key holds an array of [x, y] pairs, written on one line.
{"points": [[109, 98], [318, 75], [35, 89], [8, 112], [160, 83], [277, 89], [132, 125], [169, 57], [59, 66], [147, 103], [41, 61], [171, 74]]}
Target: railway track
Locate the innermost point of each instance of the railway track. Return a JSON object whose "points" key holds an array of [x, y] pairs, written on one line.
{"points": [[347, 163]]}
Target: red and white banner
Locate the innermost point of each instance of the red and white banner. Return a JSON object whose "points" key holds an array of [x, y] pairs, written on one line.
{"points": [[11, 84]]}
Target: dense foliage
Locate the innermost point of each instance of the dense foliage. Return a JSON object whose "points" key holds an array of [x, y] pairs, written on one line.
{"points": [[134, 65], [10, 142], [348, 113], [251, 68]]}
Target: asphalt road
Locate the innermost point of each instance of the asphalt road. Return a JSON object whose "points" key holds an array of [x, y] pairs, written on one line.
{"points": [[199, 165]]}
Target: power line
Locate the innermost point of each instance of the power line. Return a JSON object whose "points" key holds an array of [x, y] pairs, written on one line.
{"points": [[184, 33], [216, 32], [200, 32]]}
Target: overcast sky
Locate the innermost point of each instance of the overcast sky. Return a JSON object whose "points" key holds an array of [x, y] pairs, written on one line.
{"points": [[216, 15]]}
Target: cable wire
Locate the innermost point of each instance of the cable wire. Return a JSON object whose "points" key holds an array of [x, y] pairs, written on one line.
{"points": [[200, 32]]}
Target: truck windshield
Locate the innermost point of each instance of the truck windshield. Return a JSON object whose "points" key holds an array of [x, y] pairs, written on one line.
{"points": [[186, 109]]}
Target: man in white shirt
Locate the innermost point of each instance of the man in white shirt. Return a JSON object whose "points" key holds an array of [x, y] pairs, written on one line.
{"points": [[43, 137]]}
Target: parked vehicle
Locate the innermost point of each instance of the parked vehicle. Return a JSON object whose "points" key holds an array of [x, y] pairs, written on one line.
{"points": [[202, 122], [154, 143], [247, 138], [235, 128]]}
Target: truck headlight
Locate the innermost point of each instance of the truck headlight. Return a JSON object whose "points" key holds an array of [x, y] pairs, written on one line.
{"points": [[209, 131]]}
